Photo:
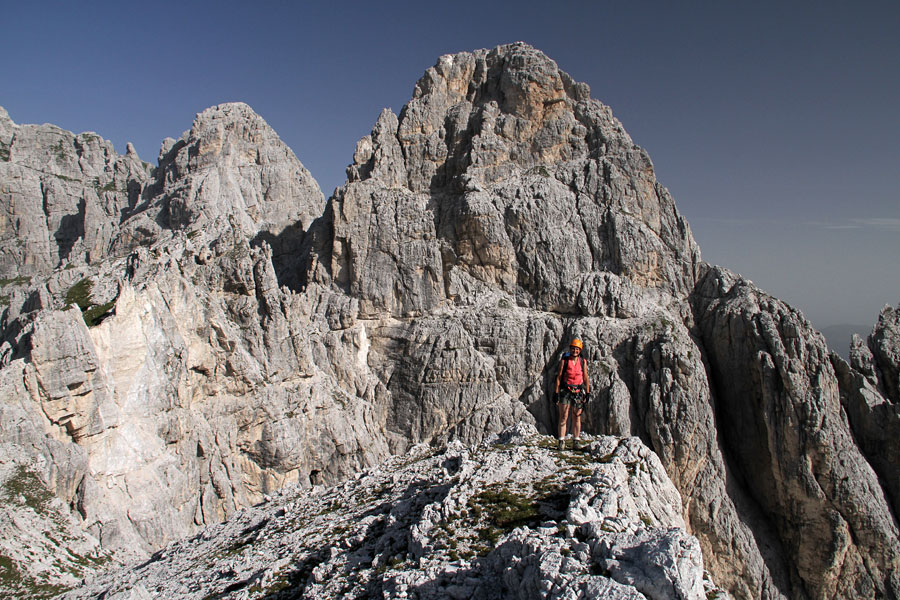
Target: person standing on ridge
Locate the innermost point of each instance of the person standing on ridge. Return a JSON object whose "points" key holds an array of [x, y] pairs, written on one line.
{"points": [[576, 387]]}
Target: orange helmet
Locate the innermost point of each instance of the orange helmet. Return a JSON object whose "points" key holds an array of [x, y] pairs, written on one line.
{"points": [[577, 344]]}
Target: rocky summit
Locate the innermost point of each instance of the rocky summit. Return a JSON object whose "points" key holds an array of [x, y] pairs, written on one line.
{"points": [[218, 383]]}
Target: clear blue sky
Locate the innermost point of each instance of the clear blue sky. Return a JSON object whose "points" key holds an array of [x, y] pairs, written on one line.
{"points": [[774, 124]]}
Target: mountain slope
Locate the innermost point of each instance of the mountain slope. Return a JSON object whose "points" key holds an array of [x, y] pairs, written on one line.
{"points": [[235, 333]]}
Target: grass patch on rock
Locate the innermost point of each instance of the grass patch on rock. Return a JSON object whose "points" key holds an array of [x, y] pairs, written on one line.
{"points": [[80, 295], [501, 508], [108, 187], [22, 586], [20, 280], [59, 150], [26, 487]]}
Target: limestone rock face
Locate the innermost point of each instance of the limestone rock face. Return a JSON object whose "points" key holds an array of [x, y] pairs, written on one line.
{"points": [[230, 334], [62, 196], [229, 171], [192, 395], [35, 521], [870, 397], [879, 358], [189, 408], [502, 174], [232, 170], [783, 424]]}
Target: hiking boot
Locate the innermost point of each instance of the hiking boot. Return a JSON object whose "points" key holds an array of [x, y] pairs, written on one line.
{"points": [[576, 444], [562, 444]]}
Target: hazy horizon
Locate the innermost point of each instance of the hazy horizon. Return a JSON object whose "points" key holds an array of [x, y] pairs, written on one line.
{"points": [[774, 127]]}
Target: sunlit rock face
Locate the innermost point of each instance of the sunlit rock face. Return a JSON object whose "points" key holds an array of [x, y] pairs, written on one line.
{"points": [[502, 175], [204, 333], [62, 196]]}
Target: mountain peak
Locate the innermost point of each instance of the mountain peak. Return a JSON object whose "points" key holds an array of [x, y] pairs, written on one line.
{"points": [[503, 153], [231, 170], [179, 344]]}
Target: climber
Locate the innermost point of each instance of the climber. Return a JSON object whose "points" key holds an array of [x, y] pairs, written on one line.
{"points": [[576, 389]]}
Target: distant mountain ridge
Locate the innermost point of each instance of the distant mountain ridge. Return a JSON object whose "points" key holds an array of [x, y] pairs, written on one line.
{"points": [[182, 341]]}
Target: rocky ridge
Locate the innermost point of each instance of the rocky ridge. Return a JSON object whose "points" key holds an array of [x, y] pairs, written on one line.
{"points": [[513, 518], [234, 333]]}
